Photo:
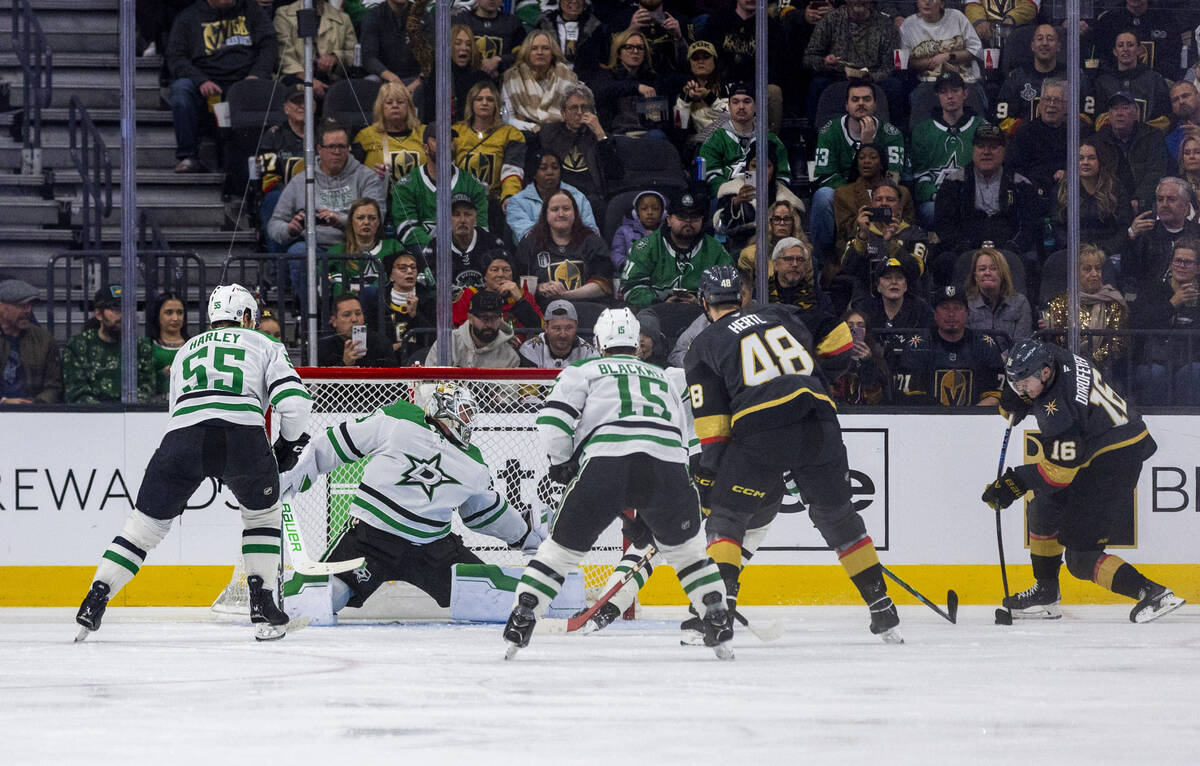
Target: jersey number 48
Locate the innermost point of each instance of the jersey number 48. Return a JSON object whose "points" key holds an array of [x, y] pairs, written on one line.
{"points": [[776, 352]]}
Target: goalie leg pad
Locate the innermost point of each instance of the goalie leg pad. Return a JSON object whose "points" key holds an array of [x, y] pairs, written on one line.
{"points": [[545, 574], [261, 541], [125, 554], [697, 573]]}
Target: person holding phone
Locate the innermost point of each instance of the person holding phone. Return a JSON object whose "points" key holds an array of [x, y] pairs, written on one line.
{"points": [[351, 345], [884, 230], [866, 382]]}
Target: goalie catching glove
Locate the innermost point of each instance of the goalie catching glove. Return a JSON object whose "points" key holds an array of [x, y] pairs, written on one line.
{"points": [[1005, 490], [287, 453], [539, 530]]}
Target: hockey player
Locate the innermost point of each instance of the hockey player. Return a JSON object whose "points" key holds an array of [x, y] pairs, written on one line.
{"points": [[614, 431], [422, 468], [222, 382], [761, 409], [1093, 445]]}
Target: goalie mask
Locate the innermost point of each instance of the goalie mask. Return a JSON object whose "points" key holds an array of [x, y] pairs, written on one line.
{"points": [[228, 303], [454, 407], [616, 328]]}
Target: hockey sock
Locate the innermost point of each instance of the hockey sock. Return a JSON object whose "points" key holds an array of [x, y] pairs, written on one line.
{"points": [[128, 550], [861, 562], [750, 542], [726, 553], [261, 543], [697, 573], [1045, 553], [624, 597], [545, 574], [1119, 577]]}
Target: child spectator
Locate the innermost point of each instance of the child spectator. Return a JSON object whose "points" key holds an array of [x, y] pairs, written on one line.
{"points": [[646, 217]]}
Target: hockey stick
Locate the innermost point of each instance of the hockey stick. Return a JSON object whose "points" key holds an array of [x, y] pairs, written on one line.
{"points": [[572, 624], [771, 630], [951, 612], [1003, 615], [299, 556]]}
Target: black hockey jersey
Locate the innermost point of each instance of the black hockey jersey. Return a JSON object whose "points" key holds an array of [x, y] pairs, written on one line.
{"points": [[1080, 417], [932, 370]]}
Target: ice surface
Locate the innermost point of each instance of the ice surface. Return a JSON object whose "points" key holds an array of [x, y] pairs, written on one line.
{"points": [[174, 686]]}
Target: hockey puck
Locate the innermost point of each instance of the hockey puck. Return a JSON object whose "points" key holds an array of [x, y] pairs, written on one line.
{"points": [[1003, 617]]}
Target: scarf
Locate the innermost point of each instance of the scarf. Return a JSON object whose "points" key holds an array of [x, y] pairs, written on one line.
{"points": [[1095, 303]]}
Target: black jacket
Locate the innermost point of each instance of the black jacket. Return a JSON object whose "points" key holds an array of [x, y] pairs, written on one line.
{"points": [[587, 164], [961, 227], [222, 46], [1142, 160]]}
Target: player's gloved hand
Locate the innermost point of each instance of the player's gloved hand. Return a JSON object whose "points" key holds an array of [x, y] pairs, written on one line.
{"points": [[287, 453], [564, 472], [636, 532], [301, 477], [1004, 491]]}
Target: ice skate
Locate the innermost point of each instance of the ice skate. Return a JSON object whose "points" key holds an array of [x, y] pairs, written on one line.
{"points": [[1039, 602], [693, 629], [604, 616], [91, 611], [270, 622], [1154, 602], [520, 625], [885, 621], [718, 626]]}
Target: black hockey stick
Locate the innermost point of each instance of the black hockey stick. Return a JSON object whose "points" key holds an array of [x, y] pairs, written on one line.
{"points": [[951, 612], [1003, 615]]}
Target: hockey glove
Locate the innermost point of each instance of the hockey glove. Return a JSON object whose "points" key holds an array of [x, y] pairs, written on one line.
{"points": [[288, 452], [564, 472], [1004, 491], [636, 531]]}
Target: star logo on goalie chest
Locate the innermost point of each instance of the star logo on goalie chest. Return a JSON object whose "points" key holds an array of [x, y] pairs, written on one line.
{"points": [[426, 474]]}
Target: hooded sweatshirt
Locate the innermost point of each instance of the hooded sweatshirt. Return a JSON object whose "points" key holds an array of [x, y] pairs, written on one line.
{"points": [[222, 45], [631, 230], [463, 353], [333, 192]]}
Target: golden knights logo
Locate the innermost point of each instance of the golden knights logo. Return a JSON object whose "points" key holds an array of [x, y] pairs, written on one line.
{"points": [[953, 387], [226, 33]]}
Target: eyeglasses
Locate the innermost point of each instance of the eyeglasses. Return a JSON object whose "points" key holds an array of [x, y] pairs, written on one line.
{"points": [[336, 147], [1183, 262], [781, 219], [1053, 100], [577, 108], [632, 47], [793, 258]]}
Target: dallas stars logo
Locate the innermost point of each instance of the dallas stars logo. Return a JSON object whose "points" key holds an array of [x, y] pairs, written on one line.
{"points": [[1052, 407], [426, 474]]}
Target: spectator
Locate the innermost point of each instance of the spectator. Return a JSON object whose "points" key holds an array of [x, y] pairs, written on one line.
{"points": [[280, 157], [737, 201], [795, 283], [893, 306], [393, 144], [1169, 369], [1160, 30], [1141, 150], [535, 86], [166, 327], [1019, 95], [363, 236], [213, 44], [1155, 234], [484, 340], [414, 199], [731, 31], [1189, 166], [1148, 88], [333, 46], [953, 366], [588, 154], [854, 42], [268, 324], [1102, 307], [1039, 146], [630, 97], [559, 345], [985, 16], [727, 150], [340, 348], [645, 217], [884, 231], [1104, 210], [581, 35], [568, 258], [652, 344], [470, 244], [1185, 105], [701, 102], [663, 33], [994, 303], [939, 40], [92, 359], [393, 45], [498, 35], [866, 382], [525, 206], [410, 307], [487, 148], [683, 343], [667, 264], [868, 172], [519, 307], [784, 221], [30, 372], [942, 143], [837, 143], [465, 60], [986, 201]]}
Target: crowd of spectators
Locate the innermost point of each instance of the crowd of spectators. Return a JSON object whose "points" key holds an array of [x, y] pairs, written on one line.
{"points": [[604, 152]]}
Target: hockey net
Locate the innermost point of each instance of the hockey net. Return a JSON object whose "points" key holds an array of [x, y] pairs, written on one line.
{"points": [[504, 431]]}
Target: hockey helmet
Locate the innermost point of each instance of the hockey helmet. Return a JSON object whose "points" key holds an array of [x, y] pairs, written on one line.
{"points": [[616, 328], [1026, 358], [453, 406], [721, 284], [229, 303]]}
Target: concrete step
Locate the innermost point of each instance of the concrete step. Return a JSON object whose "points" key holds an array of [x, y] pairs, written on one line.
{"points": [[69, 211], [91, 95], [80, 77], [28, 249], [45, 7], [154, 186], [74, 60], [58, 155], [76, 16], [152, 134]]}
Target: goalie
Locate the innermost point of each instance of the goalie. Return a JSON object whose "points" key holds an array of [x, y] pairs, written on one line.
{"points": [[423, 467]]}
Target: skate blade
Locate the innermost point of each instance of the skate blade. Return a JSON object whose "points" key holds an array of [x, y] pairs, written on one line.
{"points": [[1168, 605], [511, 650], [83, 634], [892, 636], [267, 632], [691, 638], [723, 651], [1038, 613]]}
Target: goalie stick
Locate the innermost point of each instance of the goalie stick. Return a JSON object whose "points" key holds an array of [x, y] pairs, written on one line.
{"points": [[299, 556], [951, 612]]}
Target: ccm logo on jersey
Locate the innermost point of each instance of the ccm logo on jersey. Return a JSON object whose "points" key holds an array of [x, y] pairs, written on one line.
{"points": [[748, 491]]}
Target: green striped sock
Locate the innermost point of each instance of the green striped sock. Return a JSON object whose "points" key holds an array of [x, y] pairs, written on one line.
{"points": [[260, 553], [120, 562]]}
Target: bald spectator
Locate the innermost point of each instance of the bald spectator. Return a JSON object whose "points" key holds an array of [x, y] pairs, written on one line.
{"points": [[560, 344], [30, 372]]}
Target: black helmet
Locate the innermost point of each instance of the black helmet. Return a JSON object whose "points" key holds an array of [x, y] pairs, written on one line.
{"points": [[1026, 358], [721, 284]]}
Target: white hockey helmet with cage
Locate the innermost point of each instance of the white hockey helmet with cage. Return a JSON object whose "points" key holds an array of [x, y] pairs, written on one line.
{"points": [[616, 328], [229, 303], [452, 405]]}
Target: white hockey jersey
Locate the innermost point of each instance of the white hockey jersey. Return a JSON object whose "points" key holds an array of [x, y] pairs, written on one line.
{"points": [[233, 374], [615, 405], [414, 480]]}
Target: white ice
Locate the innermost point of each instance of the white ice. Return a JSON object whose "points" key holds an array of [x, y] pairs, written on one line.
{"points": [[176, 686]]}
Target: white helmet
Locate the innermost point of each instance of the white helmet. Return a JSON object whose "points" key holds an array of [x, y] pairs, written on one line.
{"points": [[454, 407], [228, 303], [616, 328]]}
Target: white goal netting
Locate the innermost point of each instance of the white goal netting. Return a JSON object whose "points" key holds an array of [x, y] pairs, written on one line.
{"points": [[504, 432]]}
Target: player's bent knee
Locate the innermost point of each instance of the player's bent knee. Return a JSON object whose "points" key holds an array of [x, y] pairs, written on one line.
{"points": [[839, 525], [144, 531], [558, 557], [266, 517], [1082, 564]]}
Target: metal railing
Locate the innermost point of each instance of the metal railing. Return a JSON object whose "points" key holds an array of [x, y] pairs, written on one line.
{"points": [[94, 165], [37, 65]]}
